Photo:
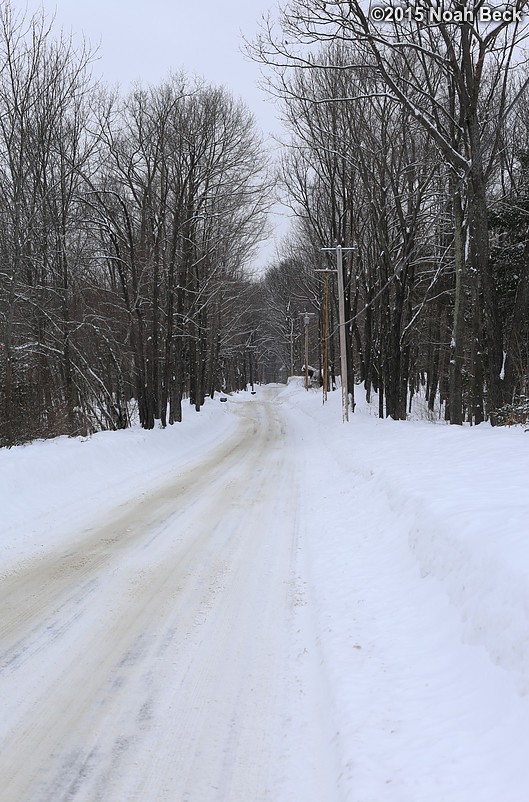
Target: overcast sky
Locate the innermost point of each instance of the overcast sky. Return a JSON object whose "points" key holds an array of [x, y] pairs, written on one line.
{"points": [[145, 39]]}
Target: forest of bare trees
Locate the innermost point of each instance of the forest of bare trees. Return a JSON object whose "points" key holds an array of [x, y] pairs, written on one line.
{"points": [[409, 142], [128, 222]]}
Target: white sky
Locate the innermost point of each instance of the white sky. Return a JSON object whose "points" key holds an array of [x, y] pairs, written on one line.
{"points": [[145, 39]]}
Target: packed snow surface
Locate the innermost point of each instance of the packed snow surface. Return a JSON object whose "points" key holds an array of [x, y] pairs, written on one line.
{"points": [[264, 604]]}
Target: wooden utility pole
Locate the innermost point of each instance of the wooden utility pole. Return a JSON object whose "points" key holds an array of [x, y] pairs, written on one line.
{"points": [[306, 320], [341, 313], [325, 377], [324, 333], [251, 350], [291, 338], [343, 352]]}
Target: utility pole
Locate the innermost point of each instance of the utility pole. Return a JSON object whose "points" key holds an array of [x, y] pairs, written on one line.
{"points": [[326, 271], [325, 344], [306, 320], [291, 346], [251, 350], [341, 313]]}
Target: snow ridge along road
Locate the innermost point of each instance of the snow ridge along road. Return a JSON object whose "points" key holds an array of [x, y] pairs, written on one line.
{"points": [[157, 657]]}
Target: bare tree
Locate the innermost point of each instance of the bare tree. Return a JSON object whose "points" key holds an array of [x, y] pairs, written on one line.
{"points": [[43, 146], [180, 207], [453, 78]]}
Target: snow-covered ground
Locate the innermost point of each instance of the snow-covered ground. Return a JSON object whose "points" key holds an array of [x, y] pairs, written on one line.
{"points": [[53, 486], [264, 603]]}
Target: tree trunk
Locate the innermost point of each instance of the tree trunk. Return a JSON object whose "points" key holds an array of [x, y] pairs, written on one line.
{"points": [[456, 346]]}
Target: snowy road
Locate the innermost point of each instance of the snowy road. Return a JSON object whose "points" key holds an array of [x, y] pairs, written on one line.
{"points": [[154, 659], [284, 610]]}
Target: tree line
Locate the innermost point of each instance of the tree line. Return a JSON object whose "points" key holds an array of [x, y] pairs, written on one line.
{"points": [[128, 223], [126, 226], [409, 143]]}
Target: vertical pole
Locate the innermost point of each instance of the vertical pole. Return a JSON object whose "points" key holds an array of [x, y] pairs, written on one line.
{"points": [[291, 346], [325, 302], [343, 354], [306, 354], [252, 357]]}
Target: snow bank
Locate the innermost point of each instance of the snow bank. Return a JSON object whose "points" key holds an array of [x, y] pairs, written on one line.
{"points": [[416, 572], [296, 381], [49, 487], [463, 495]]}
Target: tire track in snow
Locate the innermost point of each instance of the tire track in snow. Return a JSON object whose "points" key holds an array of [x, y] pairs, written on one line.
{"points": [[170, 683], [35, 596]]}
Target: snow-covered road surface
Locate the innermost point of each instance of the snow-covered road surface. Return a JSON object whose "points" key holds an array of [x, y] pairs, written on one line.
{"points": [[154, 659], [278, 608]]}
